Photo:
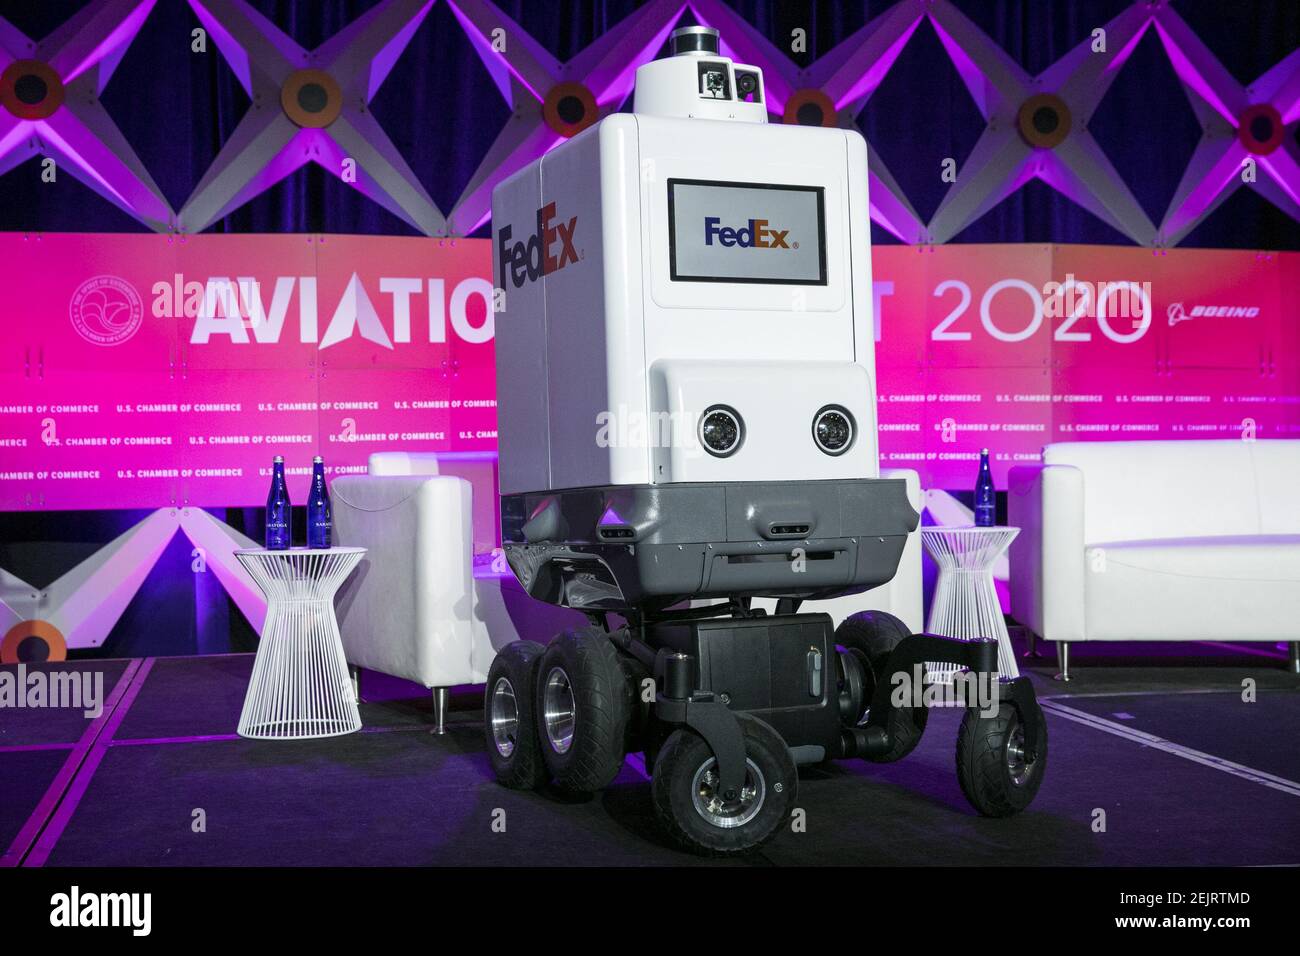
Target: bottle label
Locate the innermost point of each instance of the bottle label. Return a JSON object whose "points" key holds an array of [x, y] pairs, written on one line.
{"points": [[319, 532]]}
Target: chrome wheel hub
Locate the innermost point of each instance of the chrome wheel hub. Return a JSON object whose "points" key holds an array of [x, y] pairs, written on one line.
{"points": [[558, 710], [504, 717], [1017, 767], [713, 805]]}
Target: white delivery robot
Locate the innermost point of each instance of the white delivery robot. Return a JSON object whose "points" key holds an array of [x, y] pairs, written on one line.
{"points": [[686, 411]]}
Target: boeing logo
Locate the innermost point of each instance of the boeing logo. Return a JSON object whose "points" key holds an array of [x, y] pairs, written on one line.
{"points": [[1177, 313], [753, 235]]}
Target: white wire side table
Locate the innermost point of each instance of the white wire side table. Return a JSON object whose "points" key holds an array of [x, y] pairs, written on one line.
{"points": [[965, 603], [300, 686]]}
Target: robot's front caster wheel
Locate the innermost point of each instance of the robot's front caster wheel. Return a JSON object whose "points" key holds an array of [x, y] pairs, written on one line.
{"points": [[583, 706], [700, 819], [510, 718], [869, 637], [991, 766]]}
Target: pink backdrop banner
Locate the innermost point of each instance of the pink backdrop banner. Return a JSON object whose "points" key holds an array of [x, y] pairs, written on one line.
{"points": [[1011, 347], [148, 371]]}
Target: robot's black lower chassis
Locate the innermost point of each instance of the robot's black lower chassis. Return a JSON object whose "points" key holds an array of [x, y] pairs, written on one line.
{"points": [[725, 701], [698, 685]]}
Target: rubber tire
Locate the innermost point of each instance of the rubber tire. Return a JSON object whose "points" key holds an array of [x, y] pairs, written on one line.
{"points": [[634, 672], [682, 755], [982, 765], [656, 735], [876, 634], [523, 769], [602, 701]]}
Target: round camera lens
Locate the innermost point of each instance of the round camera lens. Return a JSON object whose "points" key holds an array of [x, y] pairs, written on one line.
{"points": [[833, 430], [721, 430], [746, 82]]}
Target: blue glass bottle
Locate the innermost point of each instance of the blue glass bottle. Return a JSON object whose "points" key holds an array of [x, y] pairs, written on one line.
{"points": [[985, 497], [320, 523], [279, 513]]}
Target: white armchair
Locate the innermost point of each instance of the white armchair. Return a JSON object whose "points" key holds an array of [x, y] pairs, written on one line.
{"points": [[1158, 540], [431, 601]]}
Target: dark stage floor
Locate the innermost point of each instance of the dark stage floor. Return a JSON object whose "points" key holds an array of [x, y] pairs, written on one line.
{"points": [[1185, 771]]}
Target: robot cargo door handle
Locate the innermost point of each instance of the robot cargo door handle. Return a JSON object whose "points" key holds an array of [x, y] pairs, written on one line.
{"points": [[788, 530]]}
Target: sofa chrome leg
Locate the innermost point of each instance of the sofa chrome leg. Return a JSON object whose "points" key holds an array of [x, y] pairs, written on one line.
{"points": [[354, 673], [1063, 657], [1031, 644], [1293, 658], [440, 710]]}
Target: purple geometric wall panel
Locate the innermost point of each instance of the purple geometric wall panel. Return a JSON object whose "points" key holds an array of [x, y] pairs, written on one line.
{"points": [[49, 106], [310, 106], [1240, 126], [1038, 126]]}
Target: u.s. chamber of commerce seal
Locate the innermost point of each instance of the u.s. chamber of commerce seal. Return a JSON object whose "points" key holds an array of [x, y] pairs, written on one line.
{"points": [[106, 310]]}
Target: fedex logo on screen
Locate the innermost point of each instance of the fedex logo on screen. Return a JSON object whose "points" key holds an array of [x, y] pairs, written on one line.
{"points": [[754, 235]]}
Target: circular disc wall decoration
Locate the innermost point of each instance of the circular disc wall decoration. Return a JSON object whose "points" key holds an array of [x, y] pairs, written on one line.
{"points": [[30, 89], [809, 107], [569, 108], [31, 642], [311, 98], [1260, 128], [1044, 120]]}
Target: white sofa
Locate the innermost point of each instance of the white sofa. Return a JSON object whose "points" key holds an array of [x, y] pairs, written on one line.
{"points": [[1158, 540]]}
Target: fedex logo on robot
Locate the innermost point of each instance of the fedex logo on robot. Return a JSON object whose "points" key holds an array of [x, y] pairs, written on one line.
{"points": [[527, 261], [754, 235]]}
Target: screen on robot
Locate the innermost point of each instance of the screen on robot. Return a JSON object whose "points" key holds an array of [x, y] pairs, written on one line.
{"points": [[746, 232]]}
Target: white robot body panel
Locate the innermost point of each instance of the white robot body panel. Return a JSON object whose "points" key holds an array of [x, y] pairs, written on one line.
{"points": [[779, 400], [651, 254]]}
